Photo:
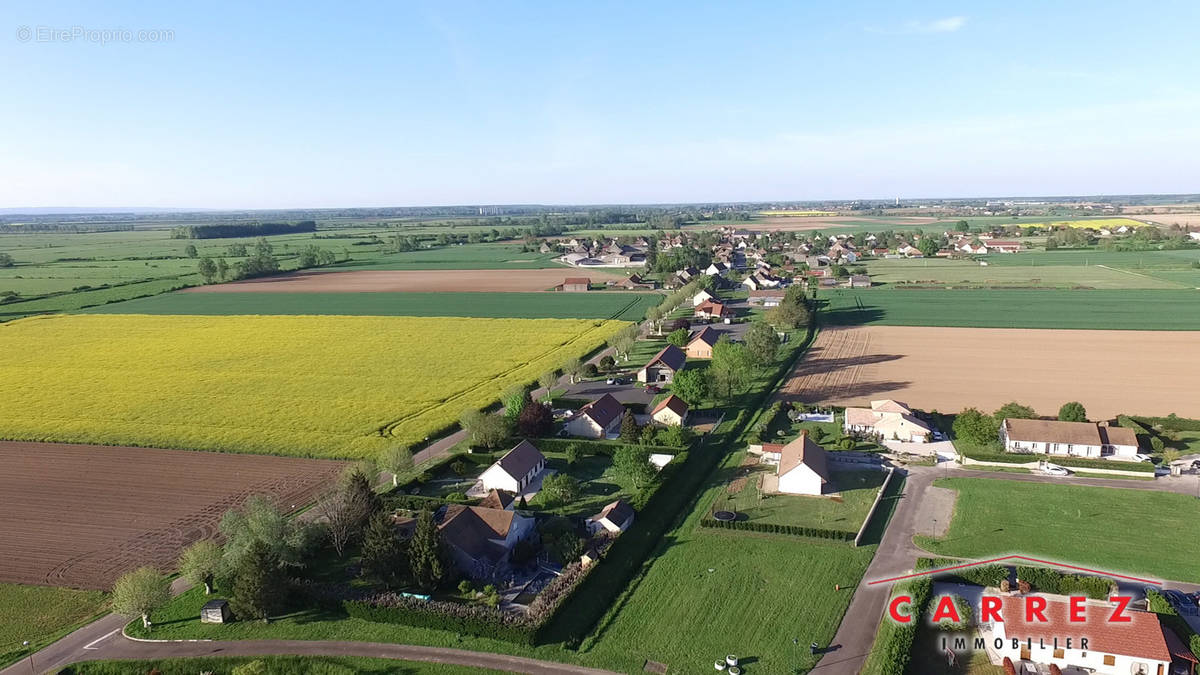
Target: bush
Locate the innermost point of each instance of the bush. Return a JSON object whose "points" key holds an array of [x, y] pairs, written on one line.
{"points": [[898, 647], [449, 616], [779, 528]]}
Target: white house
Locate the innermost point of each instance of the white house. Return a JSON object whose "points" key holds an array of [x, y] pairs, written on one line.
{"points": [[662, 368], [891, 420], [1142, 645], [1079, 439], [702, 297], [615, 517], [717, 269], [802, 467], [480, 539], [599, 419], [671, 411], [514, 471]]}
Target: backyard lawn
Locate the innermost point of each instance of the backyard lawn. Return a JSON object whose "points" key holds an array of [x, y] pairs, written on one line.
{"points": [[1088, 526], [41, 614], [857, 490]]}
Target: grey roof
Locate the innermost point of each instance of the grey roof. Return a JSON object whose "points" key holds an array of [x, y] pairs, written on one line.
{"points": [[604, 410], [670, 356], [519, 461], [708, 335], [617, 513]]}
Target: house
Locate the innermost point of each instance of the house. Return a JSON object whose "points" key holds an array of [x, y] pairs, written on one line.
{"points": [[801, 466], [615, 517], [671, 411], [515, 470], [909, 251], [701, 343], [860, 281], [1141, 645], [480, 539], [663, 366], [996, 246], [544, 248], [889, 420], [717, 269], [712, 310], [767, 298], [1079, 439], [576, 284], [634, 282], [702, 297], [599, 419], [496, 499]]}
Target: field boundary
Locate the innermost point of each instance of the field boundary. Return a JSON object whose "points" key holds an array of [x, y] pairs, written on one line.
{"points": [[891, 471]]}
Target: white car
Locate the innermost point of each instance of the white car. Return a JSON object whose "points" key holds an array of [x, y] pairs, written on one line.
{"points": [[1052, 470]]}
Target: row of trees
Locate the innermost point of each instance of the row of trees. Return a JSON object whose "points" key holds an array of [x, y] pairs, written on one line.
{"points": [[980, 428]]}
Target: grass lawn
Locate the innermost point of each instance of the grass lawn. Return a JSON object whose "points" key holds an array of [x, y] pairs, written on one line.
{"points": [[945, 271], [605, 305], [273, 665], [41, 615], [994, 308], [857, 492], [929, 659], [1088, 526], [466, 257]]}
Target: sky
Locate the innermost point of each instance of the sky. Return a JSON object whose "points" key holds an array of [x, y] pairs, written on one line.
{"points": [[290, 105]]}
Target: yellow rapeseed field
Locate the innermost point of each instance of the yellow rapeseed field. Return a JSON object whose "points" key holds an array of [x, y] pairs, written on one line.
{"points": [[1100, 223], [320, 386]]}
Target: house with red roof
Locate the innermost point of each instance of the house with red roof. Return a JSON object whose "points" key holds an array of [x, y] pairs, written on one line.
{"points": [[671, 411], [1141, 645]]}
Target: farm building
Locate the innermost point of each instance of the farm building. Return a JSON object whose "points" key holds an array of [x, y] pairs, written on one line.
{"points": [[890, 420], [481, 539], [701, 344], [671, 411], [634, 282], [514, 471], [1141, 645], [801, 466], [576, 284], [615, 517], [767, 297], [1079, 439], [663, 366], [599, 419]]}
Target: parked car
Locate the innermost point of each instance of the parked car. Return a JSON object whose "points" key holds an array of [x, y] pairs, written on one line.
{"points": [[939, 436], [1055, 470], [1196, 464], [610, 381], [652, 389]]}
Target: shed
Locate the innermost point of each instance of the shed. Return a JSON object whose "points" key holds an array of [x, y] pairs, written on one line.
{"points": [[215, 611]]}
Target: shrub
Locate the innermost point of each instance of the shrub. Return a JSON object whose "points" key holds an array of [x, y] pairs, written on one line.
{"points": [[779, 528]]}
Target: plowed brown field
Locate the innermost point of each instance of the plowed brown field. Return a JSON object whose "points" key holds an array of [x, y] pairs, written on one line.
{"points": [[81, 515], [948, 369], [391, 281]]}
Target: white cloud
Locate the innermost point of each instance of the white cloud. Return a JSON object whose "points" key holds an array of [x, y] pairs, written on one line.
{"points": [[949, 24]]}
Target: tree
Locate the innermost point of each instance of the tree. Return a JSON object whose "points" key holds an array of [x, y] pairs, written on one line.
{"points": [[572, 454], [483, 429], [1170, 456], [256, 583], [679, 338], [655, 316], [395, 459], [560, 489], [633, 462], [731, 368], [263, 247], [622, 345], [975, 427], [425, 554], [962, 226], [200, 562], [222, 269], [607, 363], [546, 381], [514, 400], [630, 432], [788, 314], [140, 592], [1157, 444], [1014, 410], [928, 246], [1072, 411], [690, 385], [573, 368], [537, 419], [190, 251], [6, 260], [288, 539], [383, 553], [762, 342], [208, 269]]}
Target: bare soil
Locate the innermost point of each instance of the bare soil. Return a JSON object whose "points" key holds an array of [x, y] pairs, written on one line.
{"points": [[1190, 220], [391, 281], [948, 369], [82, 515]]}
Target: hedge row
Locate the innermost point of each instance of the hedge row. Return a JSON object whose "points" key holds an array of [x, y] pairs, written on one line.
{"points": [[1047, 580], [983, 575], [1078, 462], [1170, 423], [470, 619], [777, 528], [896, 651], [590, 447], [399, 500]]}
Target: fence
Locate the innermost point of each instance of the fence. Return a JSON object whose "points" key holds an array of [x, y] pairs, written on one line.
{"points": [[891, 470]]}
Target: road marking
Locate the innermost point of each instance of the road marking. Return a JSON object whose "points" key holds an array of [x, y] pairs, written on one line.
{"points": [[99, 639]]}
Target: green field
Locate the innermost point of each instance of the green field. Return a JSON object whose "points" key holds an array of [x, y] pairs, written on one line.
{"points": [[465, 257], [1087, 526], [272, 665], [969, 272], [599, 305], [41, 614], [1132, 260], [1016, 308], [857, 492]]}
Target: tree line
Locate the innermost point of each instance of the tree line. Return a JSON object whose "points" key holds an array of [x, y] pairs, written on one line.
{"points": [[226, 231]]}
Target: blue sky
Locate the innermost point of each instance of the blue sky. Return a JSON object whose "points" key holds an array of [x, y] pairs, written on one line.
{"points": [[367, 104]]}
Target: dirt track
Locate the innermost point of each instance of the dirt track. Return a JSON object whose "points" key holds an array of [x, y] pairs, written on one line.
{"points": [[81, 515], [948, 369], [384, 281]]}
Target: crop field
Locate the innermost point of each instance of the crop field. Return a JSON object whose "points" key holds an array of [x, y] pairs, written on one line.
{"points": [[1127, 260], [393, 281], [336, 386], [40, 614], [1133, 309], [970, 273], [948, 369], [1072, 524], [83, 515], [1098, 223], [500, 256], [605, 305]]}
